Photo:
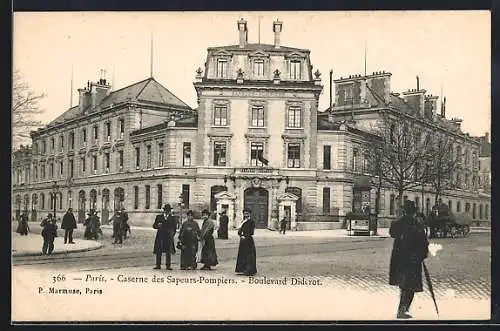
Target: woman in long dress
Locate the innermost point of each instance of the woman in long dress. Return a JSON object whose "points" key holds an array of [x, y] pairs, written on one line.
{"points": [[246, 262], [208, 253], [188, 242]]}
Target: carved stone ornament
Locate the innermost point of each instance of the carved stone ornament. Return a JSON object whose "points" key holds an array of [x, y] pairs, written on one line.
{"points": [[277, 74], [317, 74], [256, 182], [240, 73]]}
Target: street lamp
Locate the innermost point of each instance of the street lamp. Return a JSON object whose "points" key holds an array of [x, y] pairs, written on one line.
{"points": [[55, 191]]}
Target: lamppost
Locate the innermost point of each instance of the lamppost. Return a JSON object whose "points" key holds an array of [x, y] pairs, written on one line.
{"points": [[180, 203], [55, 191]]}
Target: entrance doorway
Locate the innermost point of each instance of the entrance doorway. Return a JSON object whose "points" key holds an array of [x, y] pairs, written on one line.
{"points": [[257, 200]]}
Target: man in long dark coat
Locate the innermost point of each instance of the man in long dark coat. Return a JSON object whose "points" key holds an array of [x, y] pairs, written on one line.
{"points": [[117, 228], [246, 261], [409, 251], [164, 241], [23, 227], [68, 224], [223, 225], [124, 221], [49, 233], [189, 235]]}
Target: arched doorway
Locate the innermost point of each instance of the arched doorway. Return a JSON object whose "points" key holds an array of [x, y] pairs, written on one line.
{"points": [[105, 206], [18, 206], [257, 200], [119, 202], [93, 199], [34, 205], [213, 191], [81, 206], [26, 203]]}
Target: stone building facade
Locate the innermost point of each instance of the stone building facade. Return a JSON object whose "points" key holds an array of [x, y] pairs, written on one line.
{"points": [[256, 140]]}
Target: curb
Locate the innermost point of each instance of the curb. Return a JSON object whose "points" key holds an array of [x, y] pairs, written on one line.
{"points": [[79, 250]]}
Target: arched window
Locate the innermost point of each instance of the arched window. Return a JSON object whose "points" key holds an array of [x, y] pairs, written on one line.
{"points": [[391, 204], [42, 201]]}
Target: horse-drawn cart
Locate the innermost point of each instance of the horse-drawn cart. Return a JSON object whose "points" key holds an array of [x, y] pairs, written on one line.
{"points": [[441, 222]]}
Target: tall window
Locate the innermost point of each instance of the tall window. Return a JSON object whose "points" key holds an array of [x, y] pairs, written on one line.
{"points": [[458, 206], [61, 143], [36, 172], [294, 117], [221, 68], [326, 201], [42, 171], [52, 170], [148, 156], [70, 168], [256, 153], [449, 204], [293, 155], [185, 195], [71, 141], [96, 133], [160, 196], [136, 197], [108, 131], [84, 137], [106, 162], [295, 69], [220, 153], [53, 144], [220, 116], [355, 159], [94, 164], [122, 127], [160, 155], [137, 157], [120, 160], [366, 163], [480, 212], [148, 197], [258, 68], [486, 212], [258, 116], [327, 158], [417, 203], [44, 147], [61, 169], [392, 204], [186, 154], [82, 164]]}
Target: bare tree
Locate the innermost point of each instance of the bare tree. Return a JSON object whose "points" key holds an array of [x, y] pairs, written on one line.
{"points": [[400, 152], [444, 165], [25, 105]]}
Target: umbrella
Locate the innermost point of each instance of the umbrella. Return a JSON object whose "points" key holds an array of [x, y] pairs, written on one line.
{"points": [[431, 289]]}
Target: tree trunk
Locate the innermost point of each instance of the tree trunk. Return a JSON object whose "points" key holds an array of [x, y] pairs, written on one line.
{"points": [[400, 202]]}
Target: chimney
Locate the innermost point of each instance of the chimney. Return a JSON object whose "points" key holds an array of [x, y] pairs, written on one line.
{"points": [[443, 108], [418, 84], [83, 98], [331, 90], [416, 100], [277, 27], [242, 28]]}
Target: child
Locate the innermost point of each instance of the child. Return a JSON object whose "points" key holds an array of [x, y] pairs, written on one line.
{"points": [[49, 233]]}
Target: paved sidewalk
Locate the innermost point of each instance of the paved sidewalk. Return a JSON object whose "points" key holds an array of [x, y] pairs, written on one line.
{"points": [[31, 245]]}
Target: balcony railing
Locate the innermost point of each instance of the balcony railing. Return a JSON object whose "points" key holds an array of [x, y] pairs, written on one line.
{"points": [[255, 170]]}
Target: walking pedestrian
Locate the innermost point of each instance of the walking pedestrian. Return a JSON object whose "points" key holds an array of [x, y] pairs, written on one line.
{"points": [[23, 227], [164, 241], [124, 221], [49, 233], [246, 261], [222, 231], [208, 252], [68, 224], [189, 235], [409, 251], [117, 228], [283, 224]]}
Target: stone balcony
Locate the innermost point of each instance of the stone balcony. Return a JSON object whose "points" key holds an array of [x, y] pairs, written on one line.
{"points": [[250, 171]]}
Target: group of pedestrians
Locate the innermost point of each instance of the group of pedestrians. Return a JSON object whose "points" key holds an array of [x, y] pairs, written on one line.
{"points": [[191, 236]]}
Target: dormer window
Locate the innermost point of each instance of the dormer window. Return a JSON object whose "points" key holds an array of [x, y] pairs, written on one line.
{"points": [[221, 68], [258, 68], [295, 69]]}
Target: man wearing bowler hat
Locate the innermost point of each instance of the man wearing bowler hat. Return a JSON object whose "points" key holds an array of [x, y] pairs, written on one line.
{"points": [[164, 242]]}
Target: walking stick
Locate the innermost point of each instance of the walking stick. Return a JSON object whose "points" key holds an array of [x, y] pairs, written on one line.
{"points": [[431, 289]]}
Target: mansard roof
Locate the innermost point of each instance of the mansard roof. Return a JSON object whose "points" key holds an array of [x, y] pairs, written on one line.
{"points": [[147, 90]]}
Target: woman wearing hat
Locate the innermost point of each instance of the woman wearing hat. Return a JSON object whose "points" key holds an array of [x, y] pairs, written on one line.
{"points": [[246, 260], [208, 253], [164, 241], [189, 235]]}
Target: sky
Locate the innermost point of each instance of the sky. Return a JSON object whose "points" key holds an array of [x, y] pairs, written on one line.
{"points": [[448, 50]]}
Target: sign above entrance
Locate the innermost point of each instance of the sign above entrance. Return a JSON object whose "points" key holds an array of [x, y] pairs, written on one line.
{"points": [[258, 93]]}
